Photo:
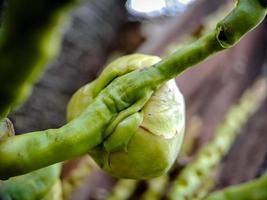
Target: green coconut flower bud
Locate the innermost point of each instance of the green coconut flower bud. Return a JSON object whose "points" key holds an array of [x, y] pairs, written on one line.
{"points": [[146, 143]]}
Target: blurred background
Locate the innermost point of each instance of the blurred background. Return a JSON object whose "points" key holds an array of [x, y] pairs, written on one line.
{"points": [[102, 30]]}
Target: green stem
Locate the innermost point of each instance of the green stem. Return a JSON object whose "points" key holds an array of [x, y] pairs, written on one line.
{"points": [[192, 176], [228, 32], [253, 190], [124, 95], [243, 18], [28, 152], [29, 38], [34, 185]]}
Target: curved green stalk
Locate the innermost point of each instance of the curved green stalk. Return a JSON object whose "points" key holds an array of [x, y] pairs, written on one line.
{"points": [[19, 154], [192, 176], [31, 186], [244, 17], [29, 37], [34, 185], [253, 190], [25, 153]]}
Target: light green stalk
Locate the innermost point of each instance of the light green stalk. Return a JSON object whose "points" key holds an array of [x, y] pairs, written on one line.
{"points": [[253, 190], [195, 174], [123, 97], [32, 186]]}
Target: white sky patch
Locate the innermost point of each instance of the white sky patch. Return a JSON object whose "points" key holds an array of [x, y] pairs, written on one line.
{"points": [[147, 5], [154, 8], [184, 1]]}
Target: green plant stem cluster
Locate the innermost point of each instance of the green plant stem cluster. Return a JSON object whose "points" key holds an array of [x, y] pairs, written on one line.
{"points": [[34, 185], [126, 94], [209, 157], [40, 184], [253, 190]]}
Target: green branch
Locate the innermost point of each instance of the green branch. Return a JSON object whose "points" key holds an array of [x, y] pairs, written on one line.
{"points": [[244, 17], [253, 190], [34, 185]]}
